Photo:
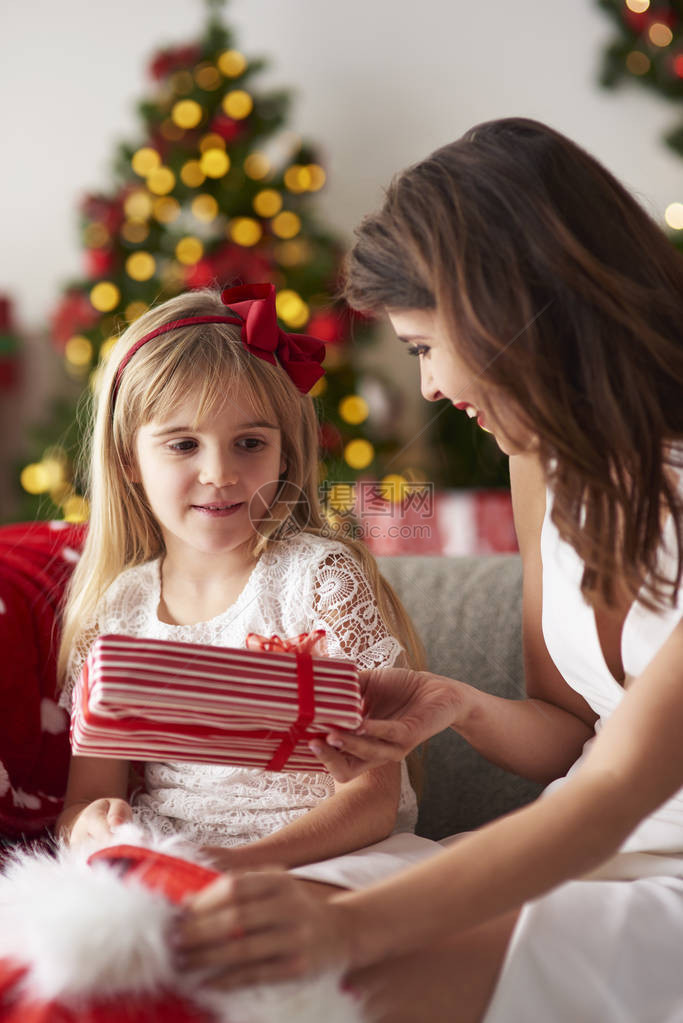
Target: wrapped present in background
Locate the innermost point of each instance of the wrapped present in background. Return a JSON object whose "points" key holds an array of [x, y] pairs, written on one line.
{"points": [[148, 699]]}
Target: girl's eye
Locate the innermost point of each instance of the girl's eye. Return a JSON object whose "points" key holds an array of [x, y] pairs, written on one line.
{"points": [[251, 443], [183, 446], [417, 349]]}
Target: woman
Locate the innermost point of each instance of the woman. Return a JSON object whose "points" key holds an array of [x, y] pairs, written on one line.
{"points": [[540, 297]]}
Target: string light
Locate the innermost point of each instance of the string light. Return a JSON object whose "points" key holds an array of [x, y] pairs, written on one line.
{"points": [[34, 478], [237, 104], [673, 215], [161, 181], [166, 209], [181, 82], [171, 131], [291, 308], [660, 34], [637, 62], [189, 251], [75, 509], [105, 296], [638, 6], [353, 409], [187, 113], [78, 351], [134, 231], [205, 208], [393, 487], [232, 63], [297, 178], [134, 311], [215, 163], [359, 453], [207, 77], [211, 141], [317, 177], [245, 231], [141, 266], [268, 202], [192, 175], [292, 253], [138, 205], [96, 235], [145, 160], [286, 224], [257, 166]]}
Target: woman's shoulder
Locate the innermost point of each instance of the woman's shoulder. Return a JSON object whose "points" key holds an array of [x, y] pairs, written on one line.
{"points": [[528, 488]]}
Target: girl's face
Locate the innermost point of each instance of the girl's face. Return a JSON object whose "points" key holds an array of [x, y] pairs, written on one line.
{"points": [[443, 374], [207, 486]]}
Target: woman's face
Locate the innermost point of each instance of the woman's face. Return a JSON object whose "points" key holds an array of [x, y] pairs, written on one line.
{"points": [[443, 374]]}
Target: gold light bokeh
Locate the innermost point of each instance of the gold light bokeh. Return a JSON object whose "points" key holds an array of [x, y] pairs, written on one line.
{"points": [[291, 308], [359, 453], [76, 509], [353, 409], [637, 62], [134, 231], [141, 266], [161, 181], [171, 131], [286, 224], [145, 160], [207, 77], [257, 166], [292, 253], [134, 310], [78, 351], [319, 388], [232, 63], [138, 205], [192, 175], [392, 487], [215, 163], [297, 178], [105, 296], [96, 235], [638, 6], [317, 176], [237, 104], [189, 250], [205, 208], [245, 231], [166, 209], [187, 113], [660, 34], [211, 141], [268, 202]]}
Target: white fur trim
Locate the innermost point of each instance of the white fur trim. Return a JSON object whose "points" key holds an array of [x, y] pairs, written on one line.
{"points": [[82, 931], [53, 719]]}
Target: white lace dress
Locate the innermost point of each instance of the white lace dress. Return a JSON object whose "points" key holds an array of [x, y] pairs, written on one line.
{"points": [[304, 583]]}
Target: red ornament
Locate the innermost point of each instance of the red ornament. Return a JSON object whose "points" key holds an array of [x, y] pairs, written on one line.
{"points": [[330, 438], [231, 264], [99, 262], [226, 127], [108, 212], [176, 59], [678, 65], [73, 314], [327, 325]]}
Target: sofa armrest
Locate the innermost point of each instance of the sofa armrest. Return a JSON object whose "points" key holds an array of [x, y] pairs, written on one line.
{"points": [[467, 611]]}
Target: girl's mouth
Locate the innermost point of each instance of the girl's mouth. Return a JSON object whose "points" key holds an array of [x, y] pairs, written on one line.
{"points": [[217, 510]]}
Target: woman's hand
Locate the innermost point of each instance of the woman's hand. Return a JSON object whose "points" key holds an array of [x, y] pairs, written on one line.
{"points": [[248, 928], [402, 708], [97, 820]]}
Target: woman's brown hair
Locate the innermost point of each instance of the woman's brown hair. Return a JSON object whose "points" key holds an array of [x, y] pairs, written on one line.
{"points": [[561, 293]]}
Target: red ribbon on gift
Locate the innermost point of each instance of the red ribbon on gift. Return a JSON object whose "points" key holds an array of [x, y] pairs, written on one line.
{"points": [[303, 647]]}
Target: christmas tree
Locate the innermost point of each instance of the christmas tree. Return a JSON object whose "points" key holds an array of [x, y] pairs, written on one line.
{"points": [[648, 49], [216, 191]]}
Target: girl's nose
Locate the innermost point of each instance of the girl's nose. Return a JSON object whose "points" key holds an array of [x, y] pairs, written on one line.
{"points": [[217, 469]]}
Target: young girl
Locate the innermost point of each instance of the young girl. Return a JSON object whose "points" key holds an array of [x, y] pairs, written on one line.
{"points": [[205, 527], [540, 297]]}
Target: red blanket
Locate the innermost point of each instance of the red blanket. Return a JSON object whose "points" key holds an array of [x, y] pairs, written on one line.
{"points": [[36, 561]]}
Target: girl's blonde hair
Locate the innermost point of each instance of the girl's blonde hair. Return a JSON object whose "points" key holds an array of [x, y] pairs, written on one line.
{"points": [[211, 361]]}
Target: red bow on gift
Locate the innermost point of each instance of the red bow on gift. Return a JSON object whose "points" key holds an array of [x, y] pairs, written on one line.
{"points": [[312, 643], [299, 355]]}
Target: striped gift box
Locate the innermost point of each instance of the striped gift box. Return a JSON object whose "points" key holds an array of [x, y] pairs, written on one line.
{"points": [[149, 699]]}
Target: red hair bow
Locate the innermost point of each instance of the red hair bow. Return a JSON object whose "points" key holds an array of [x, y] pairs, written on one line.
{"points": [[299, 355]]}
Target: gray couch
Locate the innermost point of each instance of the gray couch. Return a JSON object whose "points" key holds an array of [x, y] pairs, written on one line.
{"points": [[468, 613]]}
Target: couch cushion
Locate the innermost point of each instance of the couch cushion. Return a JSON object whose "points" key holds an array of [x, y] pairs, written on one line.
{"points": [[468, 613]]}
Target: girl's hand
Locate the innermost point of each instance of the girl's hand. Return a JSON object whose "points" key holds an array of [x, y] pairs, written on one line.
{"points": [[403, 708], [248, 928], [98, 819]]}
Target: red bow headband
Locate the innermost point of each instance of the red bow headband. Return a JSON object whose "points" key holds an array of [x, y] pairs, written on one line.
{"points": [[253, 308]]}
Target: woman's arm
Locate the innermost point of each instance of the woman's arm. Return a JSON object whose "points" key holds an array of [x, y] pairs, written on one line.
{"points": [[95, 800], [635, 764], [359, 813]]}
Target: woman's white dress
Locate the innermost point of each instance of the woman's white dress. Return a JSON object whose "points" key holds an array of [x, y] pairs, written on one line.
{"points": [[298, 585], [608, 949]]}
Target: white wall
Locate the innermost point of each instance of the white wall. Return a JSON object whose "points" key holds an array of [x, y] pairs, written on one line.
{"points": [[379, 84]]}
